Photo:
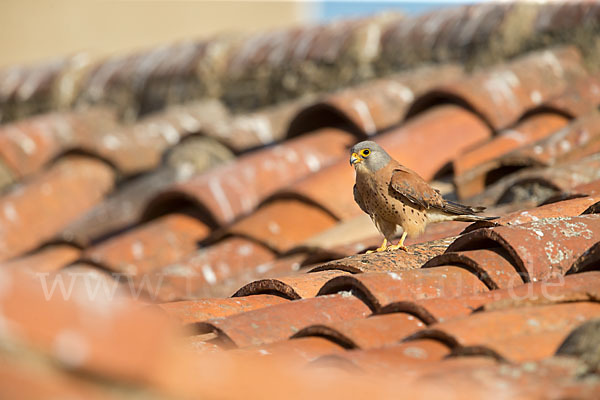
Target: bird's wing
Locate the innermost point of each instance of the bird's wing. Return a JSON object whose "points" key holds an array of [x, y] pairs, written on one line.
{"points": [[410, 186], [358, 199]]}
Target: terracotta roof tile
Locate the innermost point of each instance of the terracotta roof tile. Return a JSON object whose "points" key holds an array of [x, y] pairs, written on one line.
{"points": [[137, 83], [285, 56], [587, 261], [68, 189], [527, 380], [441, 309], [28, 90], [537, 250], [203, 309], [504, 93], [283, 266], [566, 208], [378, 289], [492, 265], [292, 287], [24, 380], [91, 336], [572, 142], [375, 105], [541, 184], [47, 259], [532, 333], [395, 358], [446, 34], [366, 333], [475, 169], [354, 236], [123, 208], [209, 272], [281, 321], [232, 190], [29, 144], [581, 97], [344, 233], [293, 351], [159, 243], [417, 255], [283, 224]]}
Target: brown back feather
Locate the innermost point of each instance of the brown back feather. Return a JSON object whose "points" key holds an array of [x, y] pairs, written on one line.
{"points": [[409, 185]]}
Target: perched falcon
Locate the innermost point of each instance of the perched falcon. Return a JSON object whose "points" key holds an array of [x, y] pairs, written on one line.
{"points": [[394, 195]]}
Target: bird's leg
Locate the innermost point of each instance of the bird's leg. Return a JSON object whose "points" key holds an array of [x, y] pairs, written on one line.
{"points": [[400, 244], [383, 247]]}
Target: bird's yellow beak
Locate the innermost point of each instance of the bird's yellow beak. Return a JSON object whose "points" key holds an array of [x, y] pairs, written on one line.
{"points": [[355, 159]]}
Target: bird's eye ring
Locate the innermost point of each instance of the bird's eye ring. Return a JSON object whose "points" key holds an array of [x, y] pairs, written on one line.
{"points": [[365, 152]]}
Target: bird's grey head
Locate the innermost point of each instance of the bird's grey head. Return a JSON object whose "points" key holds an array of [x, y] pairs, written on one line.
{"points": [[368, 155]]}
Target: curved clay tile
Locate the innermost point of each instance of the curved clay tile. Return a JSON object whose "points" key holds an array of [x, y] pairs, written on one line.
{"points": [[273, 66], [378, 289], [478, 168], [578, 139], [374, 105], [186, 312], [291, 287], [67, 190], [539, 184], [406, 357], [587, 261], [27, 145], [492, 266], [215, 271], [537, 250], [125, 206], [47, 259], [283, 224], [112, 331], [446, 34], [417, 255], [280, 322], [581, 97], [366, 333], [566, 208], [503, 94], [354, 236], [296, 350], [442, 309], [530, 333], [235, 189], [148, 80], [29, 90], [239, 132], [147, 247]]}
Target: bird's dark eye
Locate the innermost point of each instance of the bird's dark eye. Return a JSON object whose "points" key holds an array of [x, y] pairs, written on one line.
{"points": [[366, 152]]}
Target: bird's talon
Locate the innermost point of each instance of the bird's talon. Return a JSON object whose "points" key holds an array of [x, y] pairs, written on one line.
{"points": [[397, 247]]}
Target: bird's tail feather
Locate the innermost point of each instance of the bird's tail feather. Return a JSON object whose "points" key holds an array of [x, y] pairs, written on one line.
{"points": [[465, 213], [472, 218]]}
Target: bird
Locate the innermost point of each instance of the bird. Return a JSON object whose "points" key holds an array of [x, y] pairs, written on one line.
{"points": [[394, 195]]}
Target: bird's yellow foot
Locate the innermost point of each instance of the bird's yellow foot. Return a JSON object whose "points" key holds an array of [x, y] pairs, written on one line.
{"points": [[400, 245], [383, 247], [397, 247]]}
